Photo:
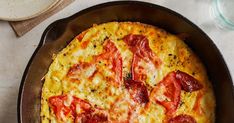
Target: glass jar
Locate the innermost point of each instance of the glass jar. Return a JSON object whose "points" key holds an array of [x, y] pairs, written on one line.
{"points": [[223, 11]]}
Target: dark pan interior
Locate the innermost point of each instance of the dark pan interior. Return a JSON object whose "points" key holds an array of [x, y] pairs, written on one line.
{"points": [[58, 34]]}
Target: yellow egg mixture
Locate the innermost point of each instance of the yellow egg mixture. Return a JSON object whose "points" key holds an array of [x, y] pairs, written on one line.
{"points": [[85, 84]]}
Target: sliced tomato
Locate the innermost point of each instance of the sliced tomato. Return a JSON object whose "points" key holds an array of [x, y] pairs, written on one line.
{"points": [[167, 93], [85, 44], [81, 36], [197, 106], [137, 90], [91, 118], [139, 45], [183, 118], [76, 71], [83, 106], [57, 105], [75, 108], [188, 82], [88, 114], [138, 71], [113, 56], [80, 110]]}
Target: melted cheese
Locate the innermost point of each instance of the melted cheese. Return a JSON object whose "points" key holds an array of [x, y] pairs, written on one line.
{"points": [[173, 52]]}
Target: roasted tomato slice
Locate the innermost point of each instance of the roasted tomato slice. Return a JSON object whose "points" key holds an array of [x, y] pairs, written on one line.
{"points": [[167, 92], [81, 36], [113, 56], [84, 113], [183, 118], [64, 105], [77, 70], [188, 82], [139, 45], [137, 90], [142, 53], [91, 118], [57, 105], [197, 106], [79, 106], [138, 71]]}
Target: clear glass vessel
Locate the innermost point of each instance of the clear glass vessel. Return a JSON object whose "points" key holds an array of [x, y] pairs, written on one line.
{"points": [[223, 11]]}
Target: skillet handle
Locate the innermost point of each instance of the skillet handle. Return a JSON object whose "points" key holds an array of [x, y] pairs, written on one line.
{"points": [[54, 31]]}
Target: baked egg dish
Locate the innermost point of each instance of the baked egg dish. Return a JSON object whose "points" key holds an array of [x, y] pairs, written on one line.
{"points": [[127, 72]]}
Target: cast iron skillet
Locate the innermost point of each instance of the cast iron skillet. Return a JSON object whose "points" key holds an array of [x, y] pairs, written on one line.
{"points": [[58, 34]]}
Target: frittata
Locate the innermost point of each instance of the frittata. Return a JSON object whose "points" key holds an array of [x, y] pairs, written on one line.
{"points": [[127, 72]]}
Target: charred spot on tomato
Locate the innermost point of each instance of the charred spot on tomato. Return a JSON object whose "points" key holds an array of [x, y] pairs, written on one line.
{"points": [[182, 118], [91, 118], [188, 82], [137, 90], [128, 76]]}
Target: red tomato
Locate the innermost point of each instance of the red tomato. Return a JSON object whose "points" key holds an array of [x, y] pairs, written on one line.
{"points": [[76, 69], [113, 56], [170, 89], [110, 54], [81, 36], [139, 45], [83, 105], [137, 90], [183, 118], [91, 118], [188, 82], [197, 106], [138, 72], [84, 44], [57, 104]]}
